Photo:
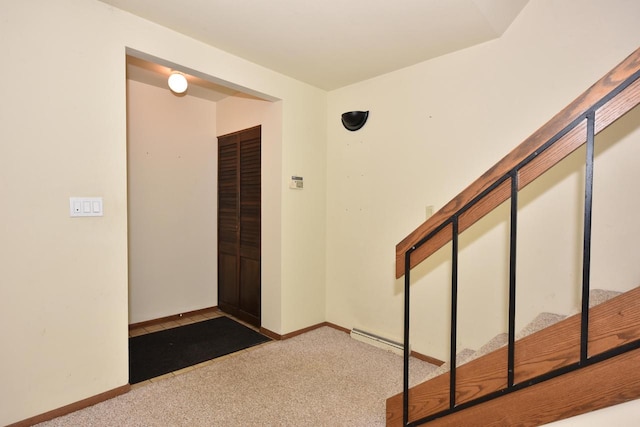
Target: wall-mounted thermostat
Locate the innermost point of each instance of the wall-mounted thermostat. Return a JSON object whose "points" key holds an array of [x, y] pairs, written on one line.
{"points": [[296, 183]]}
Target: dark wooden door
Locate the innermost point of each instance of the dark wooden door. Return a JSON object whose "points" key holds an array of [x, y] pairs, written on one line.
{"points": [[239, 224]]}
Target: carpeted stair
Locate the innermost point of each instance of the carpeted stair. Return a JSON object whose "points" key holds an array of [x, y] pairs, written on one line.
{"points": [[548, 342], [541, 321]]}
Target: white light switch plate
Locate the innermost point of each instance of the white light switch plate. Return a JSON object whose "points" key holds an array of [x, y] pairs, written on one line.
{"points": [[85, 206]]}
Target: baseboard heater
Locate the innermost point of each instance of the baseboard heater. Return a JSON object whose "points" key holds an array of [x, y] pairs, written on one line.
{"points": [[377, 341]]}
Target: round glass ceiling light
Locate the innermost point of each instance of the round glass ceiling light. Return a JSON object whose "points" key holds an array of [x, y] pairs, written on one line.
{"points": [[178, 82]]}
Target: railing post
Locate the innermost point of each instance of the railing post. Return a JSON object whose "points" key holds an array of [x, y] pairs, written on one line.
{"points": [[454, 312], [512, 278], [405, 373], [586, 254]]}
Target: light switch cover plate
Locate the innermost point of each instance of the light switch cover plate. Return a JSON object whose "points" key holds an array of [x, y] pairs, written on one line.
{"points": [[85, 206]]}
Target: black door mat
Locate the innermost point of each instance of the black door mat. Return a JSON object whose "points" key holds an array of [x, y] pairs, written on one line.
{"points": [[161, 352]]}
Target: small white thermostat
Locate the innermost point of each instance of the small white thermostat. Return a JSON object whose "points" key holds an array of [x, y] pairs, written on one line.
{"points": [[296, 183]]}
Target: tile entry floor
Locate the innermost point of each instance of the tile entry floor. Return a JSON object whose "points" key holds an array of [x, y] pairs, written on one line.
{"points": [[148, 328]]}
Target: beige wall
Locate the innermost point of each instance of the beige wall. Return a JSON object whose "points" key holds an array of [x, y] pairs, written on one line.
{"points": [[63, 130], [434, 128], [172, 204]]}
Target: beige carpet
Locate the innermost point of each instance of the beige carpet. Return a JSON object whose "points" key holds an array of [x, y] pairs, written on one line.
{"points": [[321, 378]]}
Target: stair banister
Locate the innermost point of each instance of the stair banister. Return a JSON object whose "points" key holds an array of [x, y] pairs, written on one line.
{"points": [[603, 103], [608, 112]]}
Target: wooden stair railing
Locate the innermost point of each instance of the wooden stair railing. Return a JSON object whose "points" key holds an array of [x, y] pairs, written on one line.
{"points": [[606, 114], [614, 324], [576, 125]]}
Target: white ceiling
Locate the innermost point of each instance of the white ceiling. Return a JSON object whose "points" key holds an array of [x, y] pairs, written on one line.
{"points": [[332, 43]]}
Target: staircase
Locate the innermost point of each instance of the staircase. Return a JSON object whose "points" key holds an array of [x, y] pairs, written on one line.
{"points": [[541, 349], [583, 361]]}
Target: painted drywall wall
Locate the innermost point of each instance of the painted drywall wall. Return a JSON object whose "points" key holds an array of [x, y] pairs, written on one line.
{"points": [[63, 132], [172, 205], [435, 127]]}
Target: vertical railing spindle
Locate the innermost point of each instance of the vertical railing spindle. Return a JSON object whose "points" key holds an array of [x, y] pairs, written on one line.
{"points": [[405, 374], [586, 254], [454, 312], [512, 278]]}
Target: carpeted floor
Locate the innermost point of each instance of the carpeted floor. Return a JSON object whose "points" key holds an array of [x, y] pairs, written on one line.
{"points": [[320, 378]]}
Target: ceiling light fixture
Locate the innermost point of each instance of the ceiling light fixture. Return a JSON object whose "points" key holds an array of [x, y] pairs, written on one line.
{"points": [[178, 82]]}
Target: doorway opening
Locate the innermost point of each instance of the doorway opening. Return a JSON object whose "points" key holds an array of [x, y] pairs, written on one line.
{"points": [[172, 185]]}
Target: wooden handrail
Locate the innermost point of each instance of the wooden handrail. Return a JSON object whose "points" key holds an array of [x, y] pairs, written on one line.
{"points": [[606, 114]]}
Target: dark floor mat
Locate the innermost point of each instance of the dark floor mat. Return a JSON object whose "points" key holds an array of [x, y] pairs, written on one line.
{"points": [[166, 351]]}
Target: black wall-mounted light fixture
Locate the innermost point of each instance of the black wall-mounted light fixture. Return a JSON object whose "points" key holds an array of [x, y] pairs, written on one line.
{"points": [[354, 120]]}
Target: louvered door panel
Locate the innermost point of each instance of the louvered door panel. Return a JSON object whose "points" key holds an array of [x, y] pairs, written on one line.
{"points": [[228, 232], [250, 224], [239, 229]]}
